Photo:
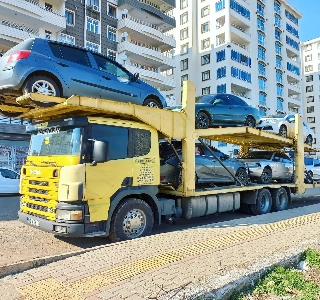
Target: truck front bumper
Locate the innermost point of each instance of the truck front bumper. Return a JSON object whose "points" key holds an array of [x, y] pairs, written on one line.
{"points": [[63, 229]]}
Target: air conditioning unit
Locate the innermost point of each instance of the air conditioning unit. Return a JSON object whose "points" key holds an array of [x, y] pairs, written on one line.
{"points": [[95, 7]]}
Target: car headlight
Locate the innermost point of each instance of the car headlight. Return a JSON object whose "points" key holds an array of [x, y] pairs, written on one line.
{"points": [[69, 215]]}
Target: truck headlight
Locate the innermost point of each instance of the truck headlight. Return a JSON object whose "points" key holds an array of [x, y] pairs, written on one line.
{"points": [[69, 215]]}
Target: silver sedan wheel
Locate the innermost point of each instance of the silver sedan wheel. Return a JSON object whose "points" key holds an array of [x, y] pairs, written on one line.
{"points": [[43, 87], [134, 223]]}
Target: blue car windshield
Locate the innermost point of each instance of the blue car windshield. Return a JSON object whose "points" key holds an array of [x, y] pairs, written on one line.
{"points": [[206, 99]]}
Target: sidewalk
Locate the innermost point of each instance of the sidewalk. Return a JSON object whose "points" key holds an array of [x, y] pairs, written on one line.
{"points": [[170, 265]]}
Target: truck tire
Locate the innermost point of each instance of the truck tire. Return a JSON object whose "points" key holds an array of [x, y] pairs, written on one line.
{"points": [[263, 203], [133, 218], [280, 199]]}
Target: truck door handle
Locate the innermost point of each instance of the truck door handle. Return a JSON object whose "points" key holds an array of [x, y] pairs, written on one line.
{"points": [[62, 64], [106, 77]]}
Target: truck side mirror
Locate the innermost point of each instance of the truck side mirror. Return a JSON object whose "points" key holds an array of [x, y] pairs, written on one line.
{"points": [[100, 152]]}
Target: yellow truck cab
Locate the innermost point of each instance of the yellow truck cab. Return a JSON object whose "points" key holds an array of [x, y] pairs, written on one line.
{"points": [[80, 168]]}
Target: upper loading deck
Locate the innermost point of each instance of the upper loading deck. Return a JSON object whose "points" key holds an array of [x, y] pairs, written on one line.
{"points": [[171, 124]]}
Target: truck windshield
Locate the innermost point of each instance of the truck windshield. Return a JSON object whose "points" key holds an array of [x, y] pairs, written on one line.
{"points": [[55, 141]]}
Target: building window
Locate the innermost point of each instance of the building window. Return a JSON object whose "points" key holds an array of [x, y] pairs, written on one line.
{"points": [[205, 11], [69, 17], [308, 68], [309, 88], [183, 4], [313, 129], [205, 44], [183, 18], [220, 5], [205, 27], [308, 57], [184, 33], [184, 64], [206, 90], [205, 59], [112, 54], [184, 49], [310, 99], [68, 39], [262, 99], [310, 109], [112, 11], [308, 47], [92, 46], [222, 88], [318, 67], [112, 33], [221, 55], [311, 120], [221, 72], [309, 78], [205, 75], [184, 78], [92, 2], [92, 25], [279, 105], [240, 74]]}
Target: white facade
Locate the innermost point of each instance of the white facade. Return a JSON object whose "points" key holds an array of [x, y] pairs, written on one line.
{"points": [[144, 44], [21, 19], [246, 47], [311, 86]]}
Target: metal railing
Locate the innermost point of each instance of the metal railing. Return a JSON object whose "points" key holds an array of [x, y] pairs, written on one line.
{"points": [[54, 11], [20, 27]]}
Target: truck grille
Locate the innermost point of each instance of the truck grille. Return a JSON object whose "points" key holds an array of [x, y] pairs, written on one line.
{"points": [[37, 182], [40, 195], [38, 191]]}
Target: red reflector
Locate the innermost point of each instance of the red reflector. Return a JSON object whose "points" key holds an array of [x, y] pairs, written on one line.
{"points": [[162, 178], [17, 55]]}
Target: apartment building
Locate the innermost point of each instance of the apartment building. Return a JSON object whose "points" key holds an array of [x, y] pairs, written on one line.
{"points": [[310, 54], [145, 47], [223, 47]]}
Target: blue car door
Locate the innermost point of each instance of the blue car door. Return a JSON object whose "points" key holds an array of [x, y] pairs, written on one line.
{"points": [[116, 82], [74, 67], [238, 110], [220, 110]]}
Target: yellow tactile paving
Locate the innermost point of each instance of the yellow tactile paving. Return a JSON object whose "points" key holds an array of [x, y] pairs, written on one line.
{"points": [[52, 289]]}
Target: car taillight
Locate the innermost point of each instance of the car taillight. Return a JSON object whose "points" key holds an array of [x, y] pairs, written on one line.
{"points": [[17, 55], [162, 178]]}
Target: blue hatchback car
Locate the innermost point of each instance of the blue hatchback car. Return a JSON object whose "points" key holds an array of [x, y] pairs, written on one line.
{"points": [[53, 68]]}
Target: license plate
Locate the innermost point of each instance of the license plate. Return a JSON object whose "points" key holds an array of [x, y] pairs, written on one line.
{"points": [[33, 222]]}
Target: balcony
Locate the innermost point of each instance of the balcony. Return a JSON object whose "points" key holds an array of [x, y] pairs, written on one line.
{"points": [[157, 12], [34, 14], [152, 76], [240, 29], [241, 91], [16, 31], [142, 52], [141, 30], [240, 41]]}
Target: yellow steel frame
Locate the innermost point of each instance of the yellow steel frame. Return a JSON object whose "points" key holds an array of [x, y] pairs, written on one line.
{"points": [[173, 125]]}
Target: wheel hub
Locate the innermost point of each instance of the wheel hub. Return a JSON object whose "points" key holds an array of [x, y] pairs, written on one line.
{"points": [[43, 87], [134, 223]]}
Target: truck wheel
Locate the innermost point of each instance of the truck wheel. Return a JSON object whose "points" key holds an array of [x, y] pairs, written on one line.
{"points": [[131, 219], [263, 203], [279, 199], [266, 176]]}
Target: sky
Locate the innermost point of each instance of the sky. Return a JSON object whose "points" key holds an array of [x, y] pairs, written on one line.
{"points": [[309, 28]]}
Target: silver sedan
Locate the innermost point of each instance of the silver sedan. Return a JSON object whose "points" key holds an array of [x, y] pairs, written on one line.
{"points": [[265, 166]]}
